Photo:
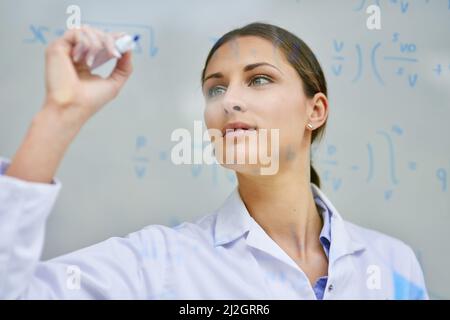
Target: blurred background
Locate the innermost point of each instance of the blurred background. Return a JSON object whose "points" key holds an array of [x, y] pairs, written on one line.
{"points": [[384, 161]]}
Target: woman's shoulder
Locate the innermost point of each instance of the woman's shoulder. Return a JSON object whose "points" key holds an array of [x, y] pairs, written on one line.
{"points": [[373, 236], [199, 229], [397, 256], [382, 244], [375, 241]]}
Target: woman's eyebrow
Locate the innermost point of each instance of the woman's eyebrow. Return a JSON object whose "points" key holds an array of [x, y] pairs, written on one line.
{"points": [[246, 69], [255, 65]]}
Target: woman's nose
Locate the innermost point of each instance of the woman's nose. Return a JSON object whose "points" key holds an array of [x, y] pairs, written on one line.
{"points": [[233, 104], [233, 108]]}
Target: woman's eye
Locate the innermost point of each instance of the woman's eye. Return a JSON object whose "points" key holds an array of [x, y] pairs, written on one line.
{"points": [[264, 78], [258, 80], [212, 92]]}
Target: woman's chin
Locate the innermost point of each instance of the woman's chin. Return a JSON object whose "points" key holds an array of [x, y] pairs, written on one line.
{"points": [[245, 160], [250, 169]]}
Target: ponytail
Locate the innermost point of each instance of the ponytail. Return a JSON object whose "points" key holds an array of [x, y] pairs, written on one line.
{"points": [[314, 176]]}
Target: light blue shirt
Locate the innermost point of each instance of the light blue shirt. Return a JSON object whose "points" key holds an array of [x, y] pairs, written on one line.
{"points": [[325, 240], [224, 255]]}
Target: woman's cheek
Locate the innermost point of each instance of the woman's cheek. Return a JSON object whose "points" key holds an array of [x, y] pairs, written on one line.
{"points": [[211, 118]]}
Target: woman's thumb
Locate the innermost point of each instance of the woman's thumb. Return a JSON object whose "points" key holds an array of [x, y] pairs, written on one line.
{"points": [[122, 71]]}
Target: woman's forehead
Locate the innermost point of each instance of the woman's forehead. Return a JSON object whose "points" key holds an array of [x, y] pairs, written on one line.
{"points": [[245, 50]]}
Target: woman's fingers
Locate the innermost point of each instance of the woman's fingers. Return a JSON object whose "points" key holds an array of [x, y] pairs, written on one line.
{"points": [[110, 44], [95, 42], [122, 71], [117, 35], [82, 46], [90, 42], [91, 46]]}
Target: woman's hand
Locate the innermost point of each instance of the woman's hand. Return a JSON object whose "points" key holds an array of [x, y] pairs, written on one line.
{"points": [[73, 95], [71, 89]]}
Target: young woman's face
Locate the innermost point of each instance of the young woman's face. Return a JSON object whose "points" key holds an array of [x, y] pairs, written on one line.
{"points": [[255, 84]]}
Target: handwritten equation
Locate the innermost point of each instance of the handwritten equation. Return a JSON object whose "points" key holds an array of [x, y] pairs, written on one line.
{"points": [[42, 34], [403, 6], [144, 155], [398, 57], [331, 163], [141, 162]]}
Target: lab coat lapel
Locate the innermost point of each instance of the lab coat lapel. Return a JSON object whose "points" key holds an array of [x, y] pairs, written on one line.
{"points": [[233, 220]]}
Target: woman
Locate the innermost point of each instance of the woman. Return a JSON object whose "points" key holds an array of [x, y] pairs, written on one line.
{"points": [[276, 236]]}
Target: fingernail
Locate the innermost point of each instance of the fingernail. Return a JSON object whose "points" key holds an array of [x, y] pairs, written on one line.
{"points": [[117, 54], [77, 52], [90, 60]]}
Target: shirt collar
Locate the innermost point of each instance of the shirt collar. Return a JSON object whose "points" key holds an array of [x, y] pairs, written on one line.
{"points": [[234, 221], [344, 241], [325, 233]]}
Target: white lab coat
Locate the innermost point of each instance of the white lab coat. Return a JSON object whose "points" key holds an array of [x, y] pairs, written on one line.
{"points": [[223, 255]]}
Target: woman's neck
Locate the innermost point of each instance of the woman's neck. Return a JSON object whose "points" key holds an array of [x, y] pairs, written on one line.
{"points": [[283, 205]]}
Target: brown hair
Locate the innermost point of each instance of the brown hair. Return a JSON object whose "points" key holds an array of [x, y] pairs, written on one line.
{"points": [[297, 53]]}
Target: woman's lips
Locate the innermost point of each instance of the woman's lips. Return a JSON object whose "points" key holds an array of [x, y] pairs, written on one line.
{"points": [[239, 132]]}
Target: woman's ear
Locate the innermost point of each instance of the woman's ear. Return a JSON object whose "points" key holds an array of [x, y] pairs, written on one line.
{"points": [[317, 109]]}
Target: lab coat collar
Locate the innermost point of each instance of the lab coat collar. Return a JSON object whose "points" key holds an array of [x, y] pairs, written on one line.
{"points": [[234, 221]]}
